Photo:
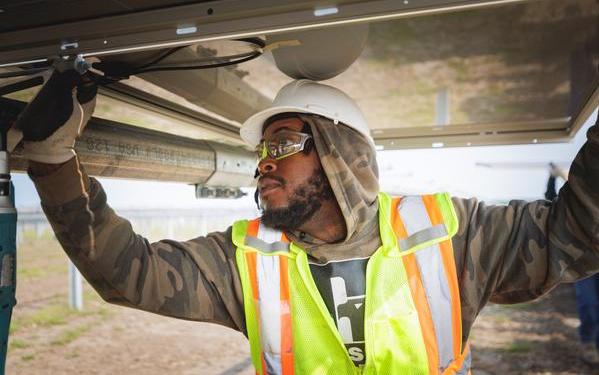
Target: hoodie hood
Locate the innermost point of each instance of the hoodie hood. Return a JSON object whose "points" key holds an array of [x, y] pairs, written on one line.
{"points": [[349, 162]]}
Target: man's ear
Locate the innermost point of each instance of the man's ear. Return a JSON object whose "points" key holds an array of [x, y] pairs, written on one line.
{"points": [[257, 199], [306, 129], [308, 146]]}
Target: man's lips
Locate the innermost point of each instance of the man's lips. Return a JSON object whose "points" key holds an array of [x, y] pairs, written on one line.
{"points": [[267, 184]]}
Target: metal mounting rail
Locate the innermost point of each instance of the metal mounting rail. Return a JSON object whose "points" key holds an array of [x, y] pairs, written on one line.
{"points": [[145, 100], [111, 149], [213, 20]]}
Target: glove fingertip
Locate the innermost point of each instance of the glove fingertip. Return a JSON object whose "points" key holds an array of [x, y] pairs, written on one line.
{"points": [[87, 90]]}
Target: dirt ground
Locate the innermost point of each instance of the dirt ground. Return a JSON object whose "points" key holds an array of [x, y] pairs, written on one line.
{"points": [[49, 338], [531, 338]]}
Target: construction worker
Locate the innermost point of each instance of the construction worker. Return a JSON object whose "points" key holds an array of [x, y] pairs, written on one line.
{"points": [[335, 277]]}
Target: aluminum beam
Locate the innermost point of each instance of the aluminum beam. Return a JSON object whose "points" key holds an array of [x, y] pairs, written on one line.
{"points": [[218, 90], [559, 136], [548, 131], [188, 24], [153, 103], [111, 149]]}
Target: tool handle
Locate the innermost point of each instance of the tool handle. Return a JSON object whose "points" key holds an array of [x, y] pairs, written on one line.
{"points": [[8, 269]]}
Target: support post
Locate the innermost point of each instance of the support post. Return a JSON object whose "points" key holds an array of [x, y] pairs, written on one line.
{"points": [[8, 245], [442, 107], [75, 288]]}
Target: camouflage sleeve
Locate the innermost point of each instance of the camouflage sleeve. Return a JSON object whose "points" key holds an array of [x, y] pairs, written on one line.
{"points": [[195, 279], [518, 252]]}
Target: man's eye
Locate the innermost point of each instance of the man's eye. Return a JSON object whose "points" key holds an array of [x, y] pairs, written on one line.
{"points": [[286, 147], [274, 150]]}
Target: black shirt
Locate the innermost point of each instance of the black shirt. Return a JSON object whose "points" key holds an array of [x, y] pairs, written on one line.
{"points": [[342, 285]]}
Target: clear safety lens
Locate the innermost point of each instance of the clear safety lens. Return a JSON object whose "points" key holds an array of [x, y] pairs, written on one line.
{"points": [[282, 144]]}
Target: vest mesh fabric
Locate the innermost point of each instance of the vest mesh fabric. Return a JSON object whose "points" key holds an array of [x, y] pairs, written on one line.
{"points": [[396, 339], [325, 350], [392, 332]]}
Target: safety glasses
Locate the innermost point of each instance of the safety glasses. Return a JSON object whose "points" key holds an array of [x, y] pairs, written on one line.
{"points": [[282, 144]]}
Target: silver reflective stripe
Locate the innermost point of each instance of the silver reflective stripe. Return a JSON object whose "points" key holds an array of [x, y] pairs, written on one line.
{"points": [[270, 307], [436, 288], [266, 247], [466, 365], [269, 235], [422, 236], [267, 271], [430, 264], [273, 363], [267, 240]]}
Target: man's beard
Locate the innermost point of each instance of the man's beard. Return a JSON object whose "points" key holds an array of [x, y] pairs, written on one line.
{"points": [[305, 200]]}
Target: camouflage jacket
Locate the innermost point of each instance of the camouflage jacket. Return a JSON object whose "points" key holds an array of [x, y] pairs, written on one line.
{"points": [[504, 254]]}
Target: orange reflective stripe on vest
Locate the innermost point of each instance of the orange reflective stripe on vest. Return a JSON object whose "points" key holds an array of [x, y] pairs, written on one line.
{"points": [[422, 235], [448, 259], [268, 275], [432, 279], [418, 292], [461, 366]]}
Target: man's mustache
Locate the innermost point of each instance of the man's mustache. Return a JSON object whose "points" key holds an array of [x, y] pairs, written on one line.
{"points": [[279, 179]]}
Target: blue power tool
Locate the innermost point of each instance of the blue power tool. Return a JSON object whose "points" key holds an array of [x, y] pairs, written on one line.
{"points": [[8, 247]]}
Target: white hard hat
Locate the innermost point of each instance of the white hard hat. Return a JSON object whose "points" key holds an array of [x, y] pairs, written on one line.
{"points": [[305, 96]]}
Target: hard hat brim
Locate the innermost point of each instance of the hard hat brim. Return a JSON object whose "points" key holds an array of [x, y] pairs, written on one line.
{"points": [[251, 130]]}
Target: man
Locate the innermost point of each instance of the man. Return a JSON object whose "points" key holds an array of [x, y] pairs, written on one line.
{"points": [[335, 277]]}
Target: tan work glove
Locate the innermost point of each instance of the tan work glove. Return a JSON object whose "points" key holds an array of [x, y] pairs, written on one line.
{"points": [[56, 117], [59, 147]]}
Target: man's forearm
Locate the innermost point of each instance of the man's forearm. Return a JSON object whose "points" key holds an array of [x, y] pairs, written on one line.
{"points": [[58, 184], [43, 169], [124, 267]]}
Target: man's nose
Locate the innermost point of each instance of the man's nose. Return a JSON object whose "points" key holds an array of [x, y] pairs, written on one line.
{"points": [[267, 165]]}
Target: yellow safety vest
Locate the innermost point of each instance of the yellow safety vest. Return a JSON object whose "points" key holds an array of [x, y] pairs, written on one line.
{"points": [[412, 307]]}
